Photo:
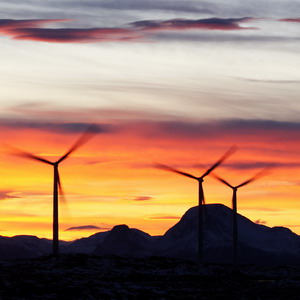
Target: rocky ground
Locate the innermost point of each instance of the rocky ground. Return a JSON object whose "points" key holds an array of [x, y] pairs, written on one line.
{"points": [[82, 276]]}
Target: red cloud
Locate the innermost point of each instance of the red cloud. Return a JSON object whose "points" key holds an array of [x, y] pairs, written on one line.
{"points": [[5, 195], [142, 198], [74, 35], [31, 29], [294, 20]]}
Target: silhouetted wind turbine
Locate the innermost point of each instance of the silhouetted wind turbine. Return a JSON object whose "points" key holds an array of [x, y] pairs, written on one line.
{"points": [[234, 208], [201, 200], [57, 187]]}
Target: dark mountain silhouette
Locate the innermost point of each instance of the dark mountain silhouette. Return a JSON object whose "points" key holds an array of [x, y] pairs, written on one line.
{"points": [[123, 241], [23, 246], [87, 245], [258, 244]]}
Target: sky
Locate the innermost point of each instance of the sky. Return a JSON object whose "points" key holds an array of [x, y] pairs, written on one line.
{"points": [[172, 82]]}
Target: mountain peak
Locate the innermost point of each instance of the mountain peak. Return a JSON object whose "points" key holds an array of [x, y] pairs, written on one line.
{"points": [[120, 228]]}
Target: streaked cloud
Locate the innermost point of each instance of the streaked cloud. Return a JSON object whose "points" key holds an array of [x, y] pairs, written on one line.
{"points": [[64, 128], [84, 227], [163, 217], [154, 5], [270, 81], [142, 198], [292, 20], [8, 25], [261, 165], [148, 125], [200, 24], [30, 30], [33, 29], [6, 195], [74, 35]]}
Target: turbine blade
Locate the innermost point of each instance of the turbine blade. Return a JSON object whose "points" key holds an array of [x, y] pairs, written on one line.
{"points": [[21, 153], [222, 180], [84, 138], [62, 197], [256, 176], [204, 203], [164, 167], [228, 153], [61, 191]]}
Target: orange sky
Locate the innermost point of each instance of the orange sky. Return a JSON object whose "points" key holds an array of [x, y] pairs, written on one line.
{"points": [[166, 83], [111, 179]]}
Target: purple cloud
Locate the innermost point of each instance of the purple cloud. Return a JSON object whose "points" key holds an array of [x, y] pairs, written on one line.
{"points": [[33, 29], [201, 24], [74, 35], [30, 30], [85, 227], [64, 128]]}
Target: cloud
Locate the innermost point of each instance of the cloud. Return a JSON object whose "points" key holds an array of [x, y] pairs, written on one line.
{"points": [[30, 30], [33, 30], [260, 222], [260, 165], [201, 24], [145, 124], [63, 128], [142, 198], [74, 35], [154, 5], [6, 195], [8, 25], [85, 227], [163, 218], [150, 125], [260, 208], [292, 20], [270, 81], [213, 129]]}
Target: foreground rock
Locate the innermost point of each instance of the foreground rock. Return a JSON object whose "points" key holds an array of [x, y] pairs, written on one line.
{"points": [[81, 276]]}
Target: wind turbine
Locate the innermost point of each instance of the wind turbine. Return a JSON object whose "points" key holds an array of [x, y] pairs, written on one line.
{"points": [[234, 208], [201, 200], [57, 187]]}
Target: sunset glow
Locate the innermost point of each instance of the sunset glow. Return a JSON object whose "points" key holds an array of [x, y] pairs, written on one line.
{"points": [[171, 86]]}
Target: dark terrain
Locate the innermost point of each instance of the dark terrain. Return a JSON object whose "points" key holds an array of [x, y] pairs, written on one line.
{"points": [[82, 276]]}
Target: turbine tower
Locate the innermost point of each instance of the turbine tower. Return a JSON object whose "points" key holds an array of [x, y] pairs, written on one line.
{"points": [[234, 208], [201, 200], [57, 187]]}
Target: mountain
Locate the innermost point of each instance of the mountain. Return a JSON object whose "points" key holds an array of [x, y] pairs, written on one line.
{"points": [[258, 244], [24, 246], [123, 241], [86, 245]]}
